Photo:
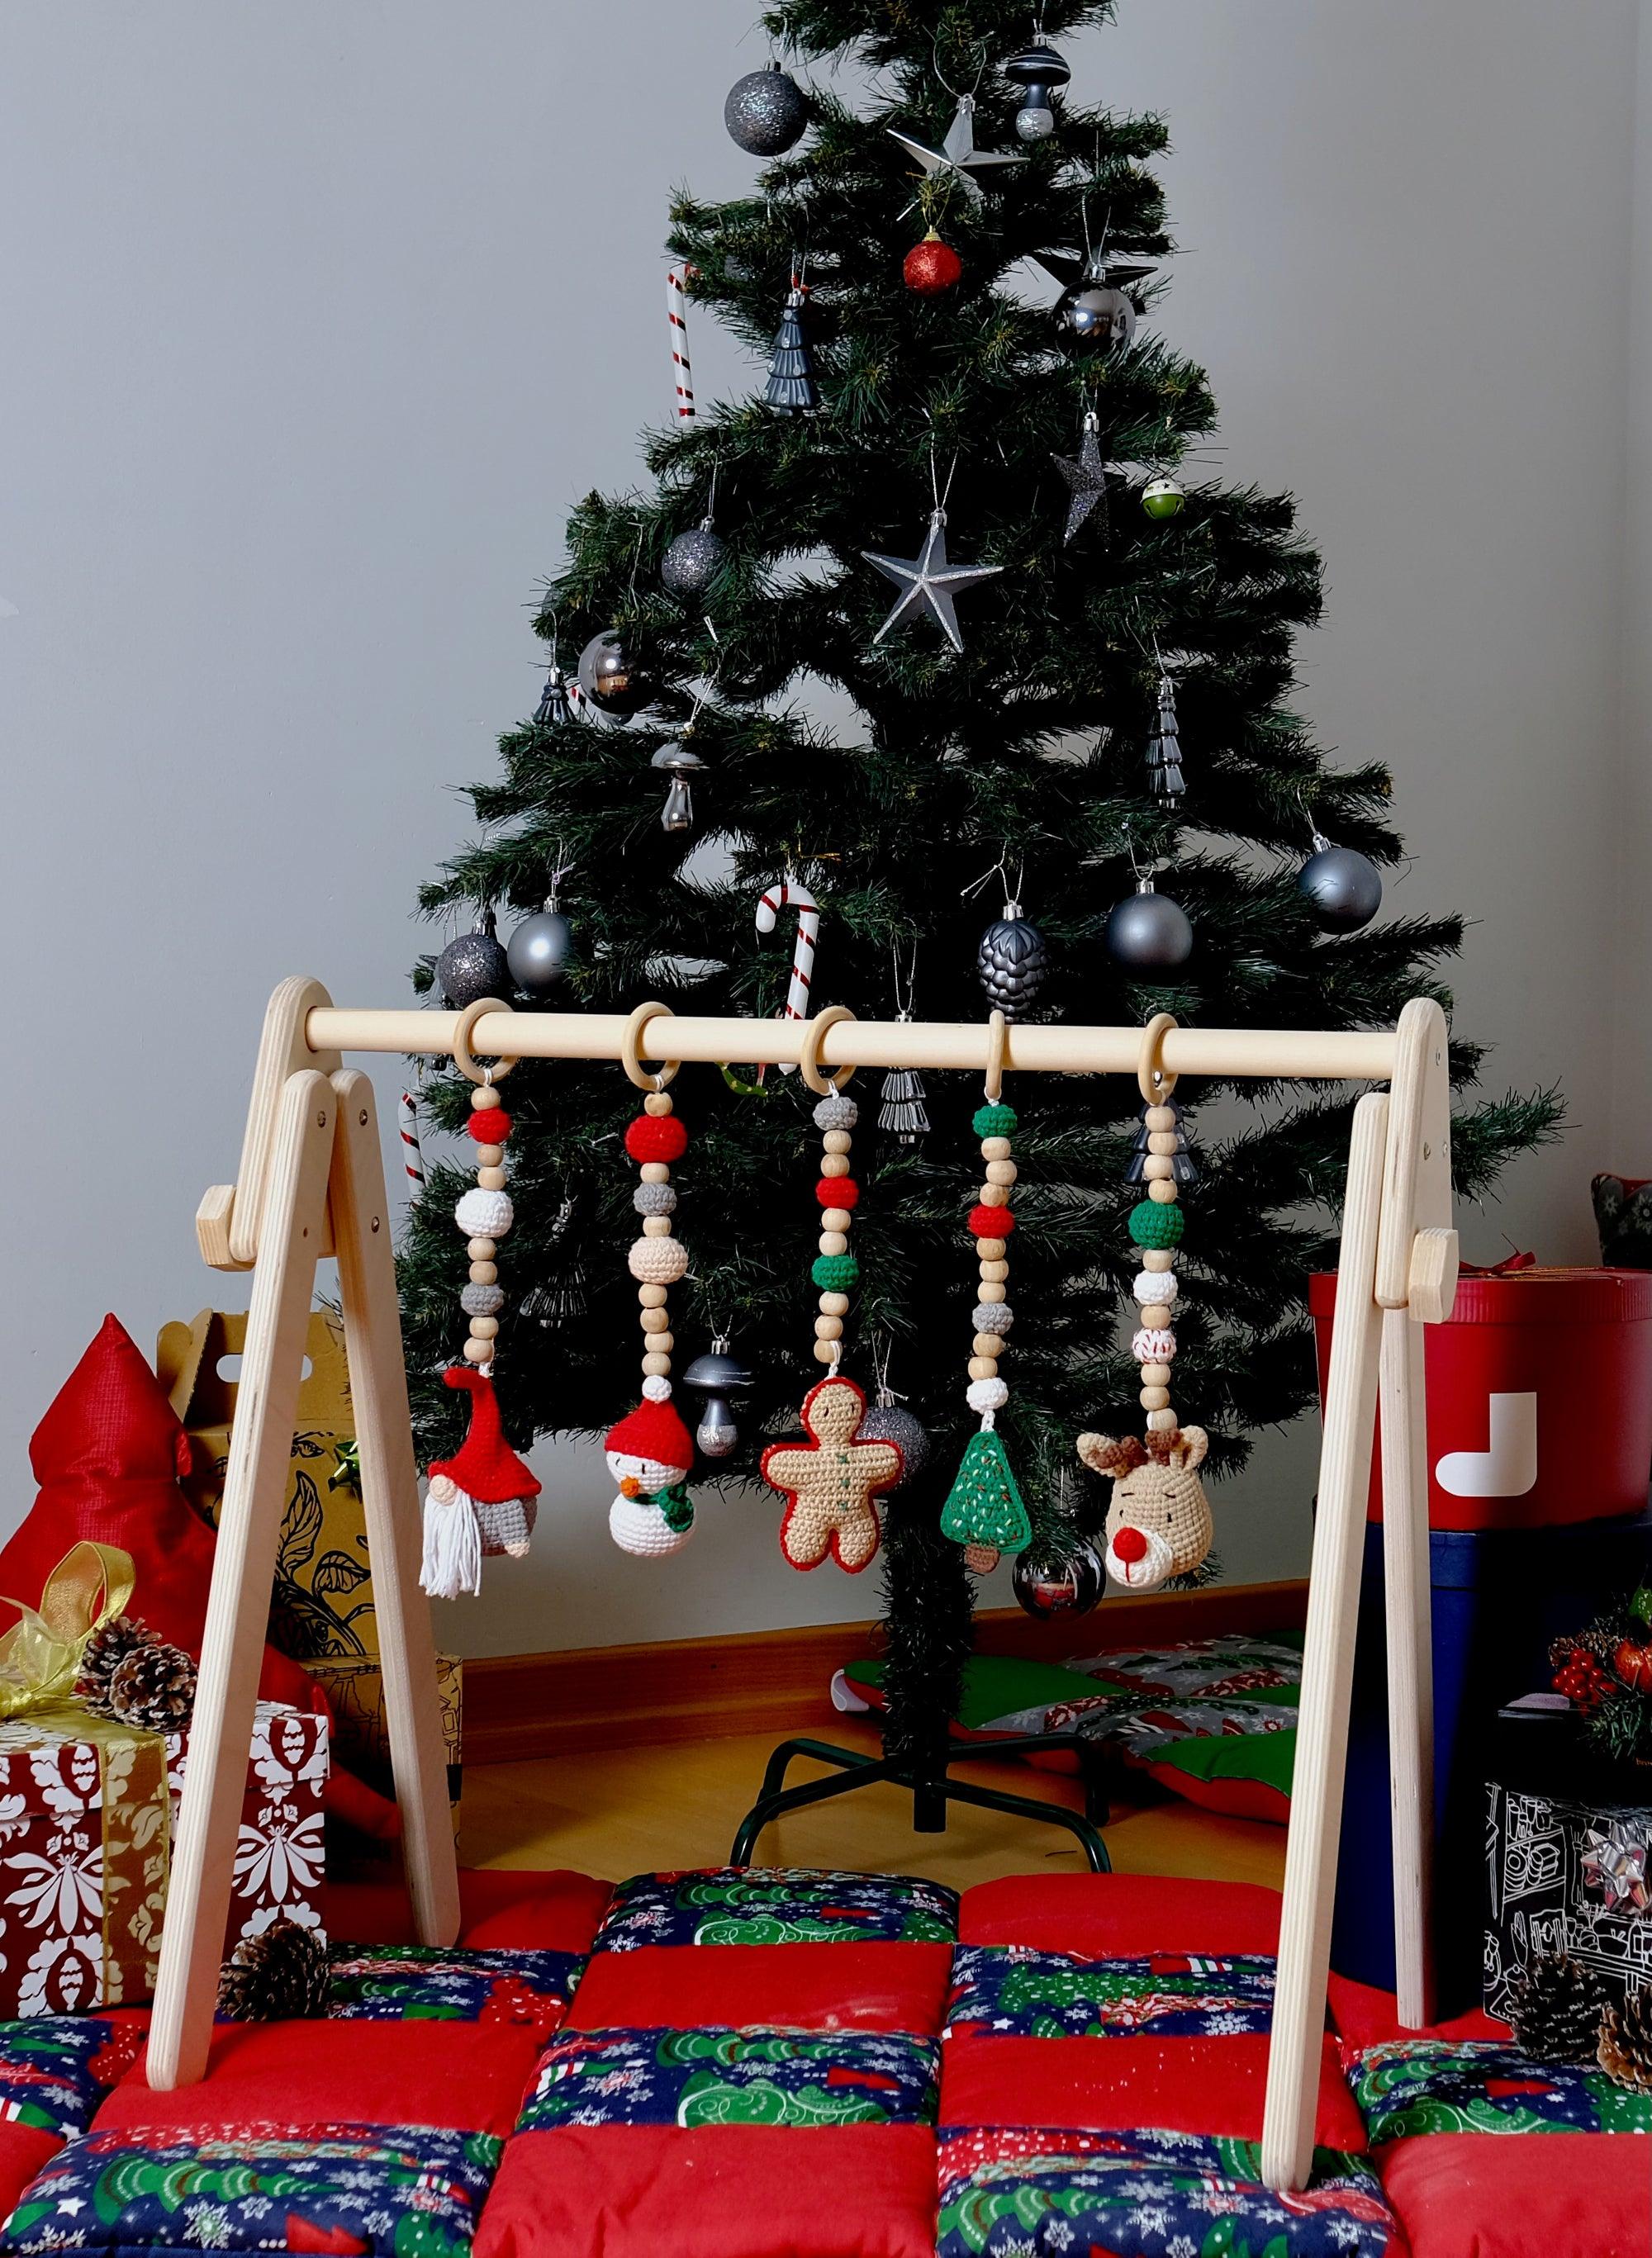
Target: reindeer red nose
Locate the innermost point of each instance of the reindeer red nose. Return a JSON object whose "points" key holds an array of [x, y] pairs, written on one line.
{"points": [[1129, 1544]]}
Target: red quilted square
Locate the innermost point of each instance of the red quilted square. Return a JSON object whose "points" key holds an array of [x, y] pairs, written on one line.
{"points": [[723, 2191], [24, 2148], [1522, 2195], [500, 1908], [812, 1987], [1212, 2085], [1116, 1915]]}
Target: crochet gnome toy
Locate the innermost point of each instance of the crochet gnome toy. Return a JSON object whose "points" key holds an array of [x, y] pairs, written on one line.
{"points": [[482, 1500], [649, 1454]]}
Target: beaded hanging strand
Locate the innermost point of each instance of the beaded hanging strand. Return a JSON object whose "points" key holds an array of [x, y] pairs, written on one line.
{"points": [[650, 1451], [835, 1271], [984, 1511], [483, 1500]]}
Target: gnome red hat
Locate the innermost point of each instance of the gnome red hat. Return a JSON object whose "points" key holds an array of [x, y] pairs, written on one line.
{"points": [[484, 1466], [649, 1446], [482, 1500]]}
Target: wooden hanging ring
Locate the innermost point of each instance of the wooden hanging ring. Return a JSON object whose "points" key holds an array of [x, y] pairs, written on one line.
{"points": [[464, 1057], [632, 1037], [809, 1057], [1151, 1078], [997, 1044]]}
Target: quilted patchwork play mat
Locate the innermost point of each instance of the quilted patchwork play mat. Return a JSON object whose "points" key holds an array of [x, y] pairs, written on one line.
{"points": [[778, 2064]]}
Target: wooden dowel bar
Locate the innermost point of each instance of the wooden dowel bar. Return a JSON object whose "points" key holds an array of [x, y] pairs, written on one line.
{"points": [[931, 1045]]}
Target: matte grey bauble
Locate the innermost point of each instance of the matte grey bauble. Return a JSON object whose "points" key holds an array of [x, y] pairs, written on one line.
{"points": [[1344, 886], [890, 1423], [539, 951], [611, 677], [692, 562], [473, 966], [1012, 962], [1149, 932], [766, 112]]}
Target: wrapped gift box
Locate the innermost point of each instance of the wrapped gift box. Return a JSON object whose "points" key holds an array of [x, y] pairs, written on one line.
{"points": [[322, 1605], [362, 1730], [279, 1863], [1568, 1874]]}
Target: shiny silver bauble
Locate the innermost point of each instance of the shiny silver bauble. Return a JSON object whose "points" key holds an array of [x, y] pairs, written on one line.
{"points": [[1095, 314], [1063, 1578], [538, 951], [611, 677]]}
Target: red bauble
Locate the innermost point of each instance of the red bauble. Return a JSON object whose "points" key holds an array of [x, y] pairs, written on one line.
{"points": [[992, 1222], [931, 267], [837, 1191], [657, 1137], [1633, 1662], [490, 1128]]}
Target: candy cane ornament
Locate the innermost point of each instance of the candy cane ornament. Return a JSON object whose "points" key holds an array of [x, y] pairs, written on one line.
{"points": [[412, 1152], [676, 316], [788, 895]]}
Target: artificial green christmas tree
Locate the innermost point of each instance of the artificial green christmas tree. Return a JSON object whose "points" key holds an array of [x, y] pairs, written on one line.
{"points": [[1107, 683]]}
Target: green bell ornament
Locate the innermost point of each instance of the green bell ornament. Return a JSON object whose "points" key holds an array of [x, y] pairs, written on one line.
{"points": [[1162, 498]]}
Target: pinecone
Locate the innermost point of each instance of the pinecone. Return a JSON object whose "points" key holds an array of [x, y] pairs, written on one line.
{"points": [[154, 1688], [1625, 2042], [279, 1976], [1555, 2009], [106, 1651]]}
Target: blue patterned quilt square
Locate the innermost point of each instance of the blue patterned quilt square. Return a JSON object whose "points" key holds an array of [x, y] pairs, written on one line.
{"points": [[420, 1983], [1012, 1990], [777, 1904], [731, 2078], [46, 2076], [359, 2191], [1475, 2086]]}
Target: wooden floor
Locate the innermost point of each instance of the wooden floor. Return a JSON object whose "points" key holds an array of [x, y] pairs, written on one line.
{"points": [[615, 1812]]}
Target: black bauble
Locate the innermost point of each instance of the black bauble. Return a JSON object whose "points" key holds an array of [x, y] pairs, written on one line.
{"points": [[1149, 932], [611, 677], [473, 966], [1062, 1578], [1012, 961], [1344, 886], [766, 112], [692, 562], [538, 951]]}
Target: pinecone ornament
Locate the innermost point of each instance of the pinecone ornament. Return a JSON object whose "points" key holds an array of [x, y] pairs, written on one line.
{"points": [[154, 1688], [106, 1651], [1556, 2008], [280, 1976], [1625, 2042]]}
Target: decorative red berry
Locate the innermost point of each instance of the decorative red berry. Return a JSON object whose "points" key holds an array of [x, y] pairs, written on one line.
{"points": [[931, 267], [992, 1222], [490, 1128], [1583, 1680], [837, 1191], [657, 1137]]}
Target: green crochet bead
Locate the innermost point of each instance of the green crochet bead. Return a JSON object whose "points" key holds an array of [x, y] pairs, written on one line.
{"points": [[995, 1121], [1154, 1224], [834, 1273]]}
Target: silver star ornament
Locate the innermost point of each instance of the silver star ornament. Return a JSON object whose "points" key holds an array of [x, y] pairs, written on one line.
{"points": [[957, 155], [928, 581]]}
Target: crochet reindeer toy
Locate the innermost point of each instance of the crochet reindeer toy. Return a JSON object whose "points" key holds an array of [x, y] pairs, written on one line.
{"points": [[1158, 1523]]}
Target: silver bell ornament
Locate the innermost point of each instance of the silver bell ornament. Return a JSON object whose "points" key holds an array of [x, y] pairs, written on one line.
{"points": [[554, 706], [611, 677], [1041, 73], [473, 965], [766, 112], [1344, 887], [680, 760], [1148, 932], [716, 1377], [539, 951], [1060, 1577], [1012, 961]]}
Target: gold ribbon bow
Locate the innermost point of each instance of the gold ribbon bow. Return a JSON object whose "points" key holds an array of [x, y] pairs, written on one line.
{"points": [[41, 1655]]}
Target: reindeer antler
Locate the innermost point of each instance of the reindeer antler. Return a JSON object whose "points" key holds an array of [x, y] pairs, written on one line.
{"points": [[1104, 1455]]}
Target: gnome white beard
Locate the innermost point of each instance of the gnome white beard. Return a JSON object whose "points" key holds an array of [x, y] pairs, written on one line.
{"points": [[459, 1529]]}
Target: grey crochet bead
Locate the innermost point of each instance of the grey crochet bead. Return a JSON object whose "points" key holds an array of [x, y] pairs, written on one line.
{"points": [[837, 1112], [654, 1199], [993, 1316], [482, 1301]]}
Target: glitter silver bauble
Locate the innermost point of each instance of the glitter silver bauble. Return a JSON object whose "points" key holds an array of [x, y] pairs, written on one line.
{"points": [[538, 951], [1344, 886], [473, 966], [611, 677], [1012, 961], [889, 1422], [1095, 314], [1062, 1578], [693, 562], [766, 112], [1149, 932], [716, 1376]]}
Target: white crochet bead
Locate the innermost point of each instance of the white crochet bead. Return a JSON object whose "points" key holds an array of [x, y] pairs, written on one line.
{"points": [[485, 1215], [656, 1388], [1155, 1286], [1154, 1345], [986, 1395], [638, 1527], [658, 1261]]}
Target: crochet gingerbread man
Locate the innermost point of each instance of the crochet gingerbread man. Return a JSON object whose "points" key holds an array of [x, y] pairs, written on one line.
{"points": [[829, 1482]]}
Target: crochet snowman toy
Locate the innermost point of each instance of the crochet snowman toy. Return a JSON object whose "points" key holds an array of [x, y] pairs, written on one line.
{"points": [[482, 1500], [649, 1452]]}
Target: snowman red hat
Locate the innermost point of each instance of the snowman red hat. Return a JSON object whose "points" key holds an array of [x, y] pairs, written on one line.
{"points": [[482, 1500], [650, 1448]]}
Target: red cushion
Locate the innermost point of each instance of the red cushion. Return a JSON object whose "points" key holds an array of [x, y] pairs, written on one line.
{"points": [[23, 2149], [1117, 1915], [1364, 2017], [467, 2077], [816, 1987], [1527, 2195], [499, 1909], [1213, 2085], [720, 2192], [107, 1456]]}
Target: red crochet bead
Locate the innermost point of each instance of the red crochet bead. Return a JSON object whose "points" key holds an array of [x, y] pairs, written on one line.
{"points": [[837, 1191], [992, 1222], [490, 1128], [656, 1137]]}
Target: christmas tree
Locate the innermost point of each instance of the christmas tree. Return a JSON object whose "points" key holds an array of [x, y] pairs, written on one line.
{"points": [[1113, 700]]}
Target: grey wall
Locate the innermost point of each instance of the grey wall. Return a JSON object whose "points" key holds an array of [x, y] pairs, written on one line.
{"points": [[316, 321]]}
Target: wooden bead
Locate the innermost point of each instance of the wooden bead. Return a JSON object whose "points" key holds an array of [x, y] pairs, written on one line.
{"points": [[655, 1226], [484, 1273], [836, 1218], [834, 1305], [479, 1352], [989, 1345], [994, 1148], [1159, 1117], [484, 1097], [656, 1367], [656, 1321], [1157, 1169], [658, 1102], [994, 1274], [1153, 1375], [983, 1367], [1154, 1399], [991, 1250], [651, 1297], [991, 1290], [484, 1328], [828, 1329], [1164, 1193], [834, 1164], [490, 1180], [1161, 1422], [1156, 1315], [834, 1242], [481, 1250], [992, 1196], [837, 1141], [656, 1171], [1158, 1258], [1001, 1171], [1162, 1141], [489, 1156], [825, 1352], [661, 1343]]}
